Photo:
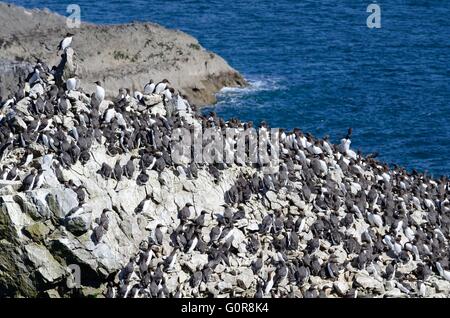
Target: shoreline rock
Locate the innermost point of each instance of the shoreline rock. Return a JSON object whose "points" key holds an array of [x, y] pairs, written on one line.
{"points": [[125, 55]]}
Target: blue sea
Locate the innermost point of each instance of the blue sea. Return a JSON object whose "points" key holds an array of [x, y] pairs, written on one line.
{"points": [[317, 66]]}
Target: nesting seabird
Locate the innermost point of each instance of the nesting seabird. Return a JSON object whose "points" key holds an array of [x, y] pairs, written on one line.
{"points": [[159, 234], [99, 92], [66, 42], [117, 172], [29, 181], [149, 88], [161, 86], [71, 84]]}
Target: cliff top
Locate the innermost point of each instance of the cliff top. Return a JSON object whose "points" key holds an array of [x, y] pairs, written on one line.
{"points": [[126, 55]]}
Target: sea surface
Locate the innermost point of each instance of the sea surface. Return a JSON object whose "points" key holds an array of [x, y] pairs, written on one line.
{"points": [[317, 66]]}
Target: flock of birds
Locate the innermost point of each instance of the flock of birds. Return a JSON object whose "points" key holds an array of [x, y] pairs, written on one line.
{"points": [[341, 185], [368, 191]]}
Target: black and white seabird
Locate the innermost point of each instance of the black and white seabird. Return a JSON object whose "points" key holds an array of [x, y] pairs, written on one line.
{"points": [[215, 233], [143, 205], [12, 174], [105, 171], [29, 181], [99, 92], [185, 213], [118, 171], [97, 234], [35, 76], [161, 86], [65, 43], [159, 234], [149, 88], [10, 101], [196, 279], [142, 179], [71, 84], [200, 220], [269, 283], [257, 265]]}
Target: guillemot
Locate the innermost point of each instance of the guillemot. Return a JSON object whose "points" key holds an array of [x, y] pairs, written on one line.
{"points": [[66, 42]]}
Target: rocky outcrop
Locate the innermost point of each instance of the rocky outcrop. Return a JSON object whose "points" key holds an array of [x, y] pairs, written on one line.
{"points": [[46, 244], [93, 204], [118, 55], [10, 71]]}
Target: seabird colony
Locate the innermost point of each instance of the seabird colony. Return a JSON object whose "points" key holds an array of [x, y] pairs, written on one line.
{"points": [[346, 222]]}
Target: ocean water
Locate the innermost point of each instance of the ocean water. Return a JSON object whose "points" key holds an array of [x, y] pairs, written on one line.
{"points": [[317, 66]]}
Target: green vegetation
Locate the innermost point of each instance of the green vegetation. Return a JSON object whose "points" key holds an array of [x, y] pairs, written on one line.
{"points": [[119, 55], [194, 46]]}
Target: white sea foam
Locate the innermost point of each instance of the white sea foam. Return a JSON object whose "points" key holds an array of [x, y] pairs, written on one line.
{"points": [[231, 97], [256, 84]]}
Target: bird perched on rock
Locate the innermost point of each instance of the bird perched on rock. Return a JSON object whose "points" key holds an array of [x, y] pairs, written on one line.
{"points": [[29, 182], [66, 42], [35, 76], [200, 220], [99, 92], [71, 84], [149, 88], [98, 234], [185, 213], [159, 234], [117, 172], [106, 171], [161, 86]]}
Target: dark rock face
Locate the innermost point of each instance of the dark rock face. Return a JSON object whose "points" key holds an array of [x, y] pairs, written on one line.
{"points": [[10, 71], [11, 261]]}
